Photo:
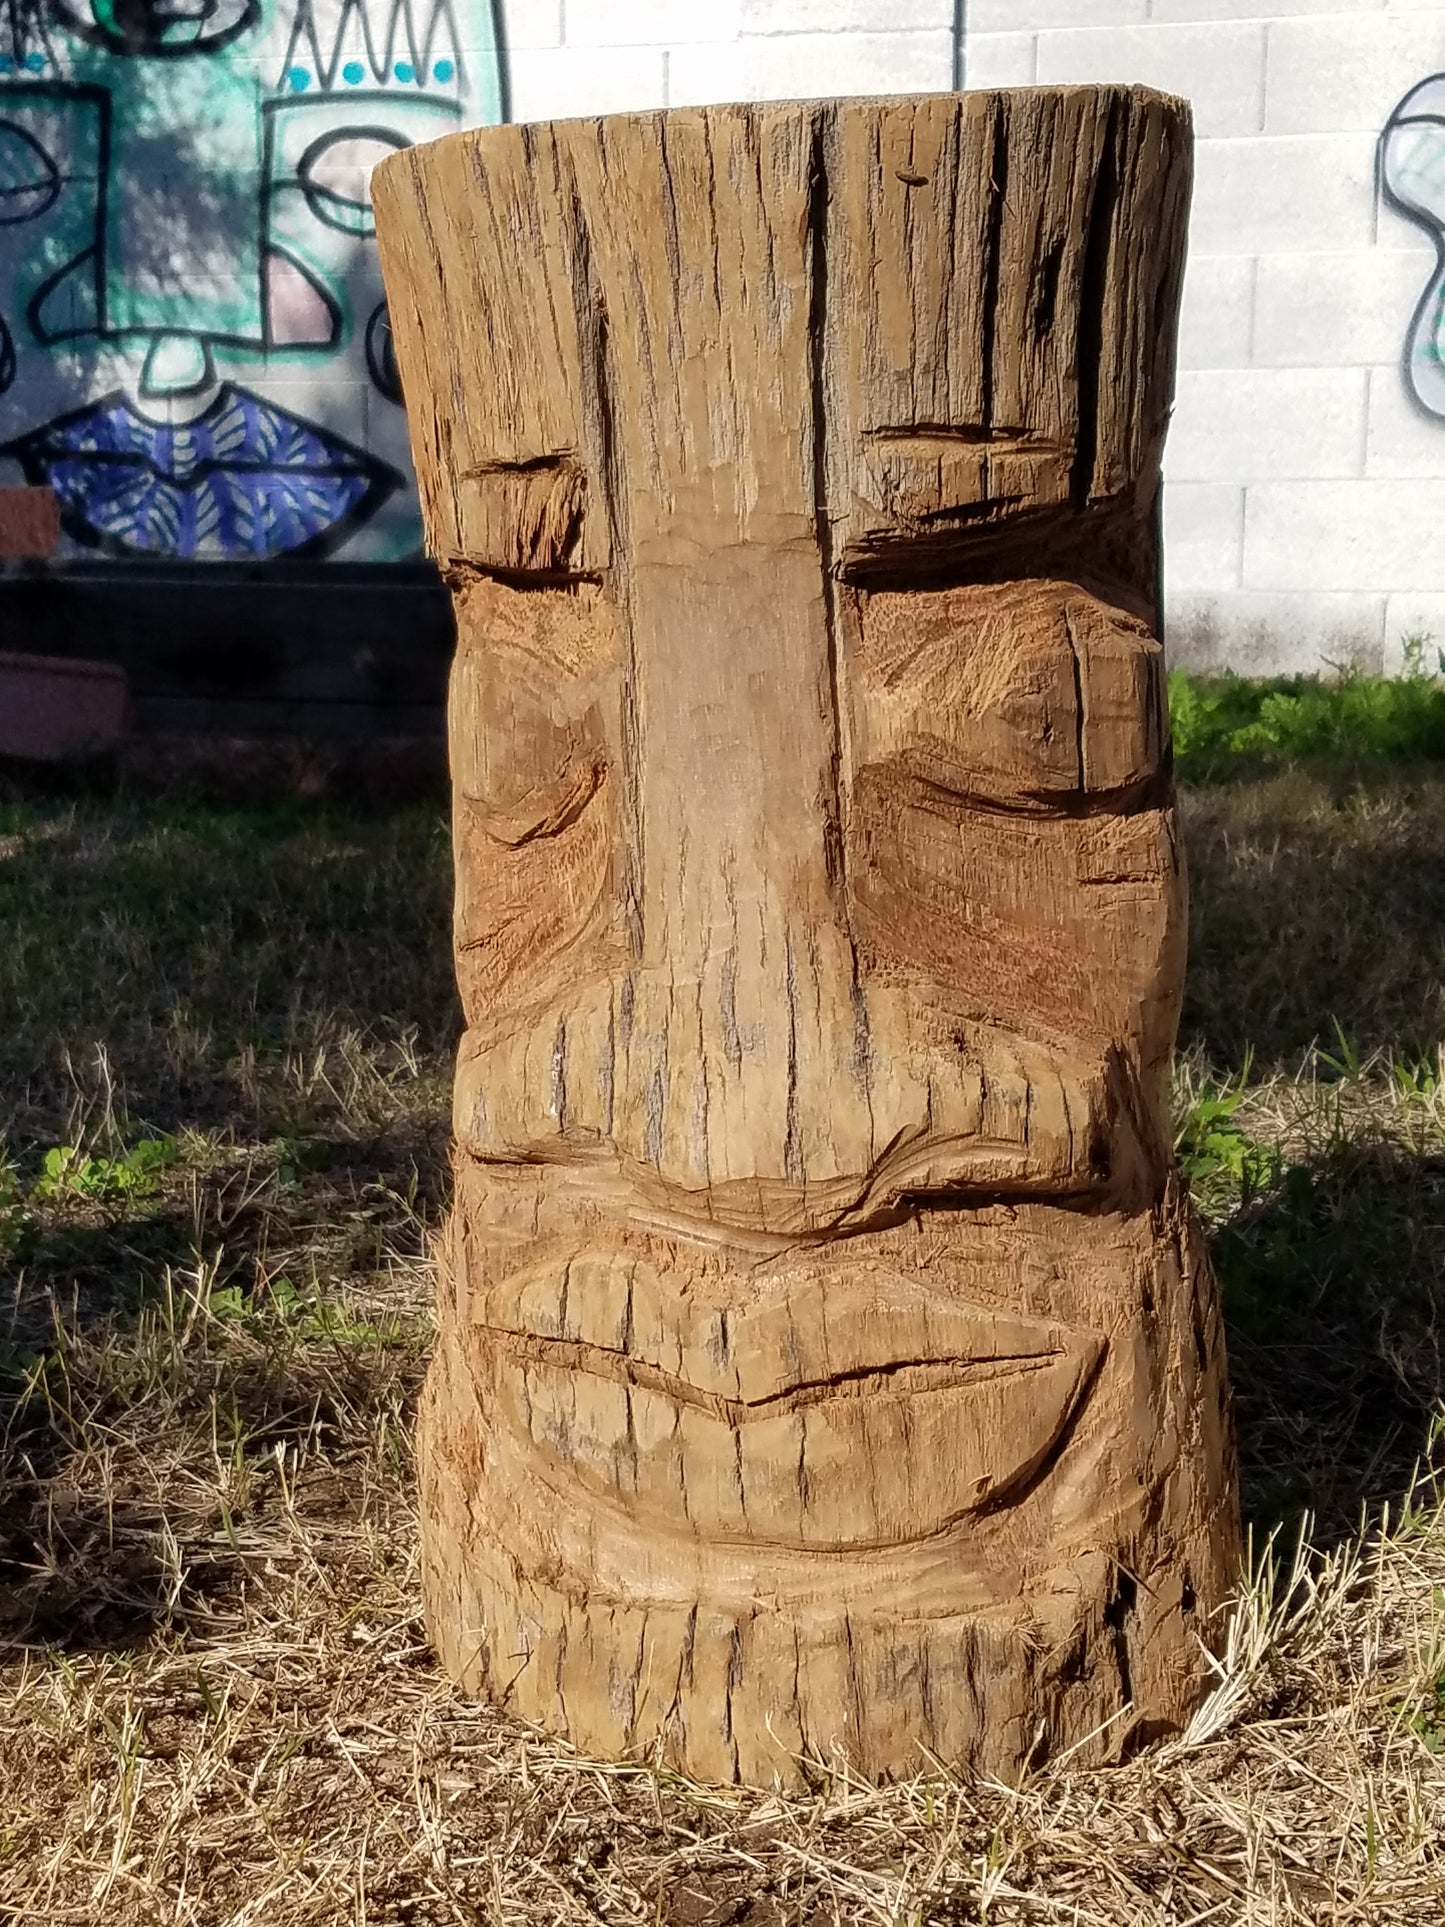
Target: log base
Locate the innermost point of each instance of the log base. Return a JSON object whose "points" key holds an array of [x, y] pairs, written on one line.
{"points": [[827, 1357]]}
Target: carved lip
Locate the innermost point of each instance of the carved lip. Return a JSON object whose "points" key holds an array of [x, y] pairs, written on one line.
{"points": [[847, 1408]]}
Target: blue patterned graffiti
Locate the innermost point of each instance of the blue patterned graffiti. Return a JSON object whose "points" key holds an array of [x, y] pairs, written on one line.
{"points": [[193, 343], [244, 478]]}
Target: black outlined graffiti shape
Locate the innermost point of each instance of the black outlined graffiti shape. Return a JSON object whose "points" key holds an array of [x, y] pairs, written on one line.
{"points": [[1412, 181]]}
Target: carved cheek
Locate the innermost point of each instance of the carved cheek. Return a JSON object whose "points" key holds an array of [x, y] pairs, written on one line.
{"points": [[1021, 696], [1007, 837], [532, 759]]}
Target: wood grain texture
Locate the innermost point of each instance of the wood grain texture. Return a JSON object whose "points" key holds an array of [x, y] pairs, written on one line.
{"points": [[826, 1353]]}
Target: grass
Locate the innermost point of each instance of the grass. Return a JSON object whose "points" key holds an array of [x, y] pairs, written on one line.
{"points": [[224, 1045]]}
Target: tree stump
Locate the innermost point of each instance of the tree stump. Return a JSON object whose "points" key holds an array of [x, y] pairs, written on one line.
{"points": [[828, 1356]]}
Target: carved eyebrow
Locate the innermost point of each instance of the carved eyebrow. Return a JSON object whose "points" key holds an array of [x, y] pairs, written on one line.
{"points": [[523, 517]]}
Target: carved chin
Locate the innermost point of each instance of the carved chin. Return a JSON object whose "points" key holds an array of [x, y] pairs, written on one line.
{"points": [[840, 1412]]}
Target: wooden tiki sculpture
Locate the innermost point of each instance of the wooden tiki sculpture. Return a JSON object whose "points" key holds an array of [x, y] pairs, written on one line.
{"points": [[827, 1355]]}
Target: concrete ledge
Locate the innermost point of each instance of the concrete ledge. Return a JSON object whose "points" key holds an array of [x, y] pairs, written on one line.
{"points": [[52, 709], [378, 772], [325, 650]]}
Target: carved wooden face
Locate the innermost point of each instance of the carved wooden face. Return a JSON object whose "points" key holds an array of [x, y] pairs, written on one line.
{"points": [[786, 997], [818, 897]]}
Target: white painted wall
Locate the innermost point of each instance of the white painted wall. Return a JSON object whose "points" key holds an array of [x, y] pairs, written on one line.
{"points": [[609, 56], [1305, 506]]}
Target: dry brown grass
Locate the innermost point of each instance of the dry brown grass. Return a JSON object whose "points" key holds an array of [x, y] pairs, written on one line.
{"points": [[216, 1701]]}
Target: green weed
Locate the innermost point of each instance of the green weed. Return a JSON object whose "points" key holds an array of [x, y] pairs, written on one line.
{"points": [[1420, 1707], [67, 1171], [17, 1220], [1427, 1723], [283, 1305], [1221, 720], [1226, 1165]]}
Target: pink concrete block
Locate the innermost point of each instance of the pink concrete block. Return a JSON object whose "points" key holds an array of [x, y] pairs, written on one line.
{"points": [[29, 523], [51, 708]]}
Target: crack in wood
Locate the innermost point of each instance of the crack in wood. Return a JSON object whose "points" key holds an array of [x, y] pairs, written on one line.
{"points": [[907, 1377]]}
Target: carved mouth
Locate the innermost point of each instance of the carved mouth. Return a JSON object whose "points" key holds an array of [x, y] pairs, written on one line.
{"points": [[844, 1408]]}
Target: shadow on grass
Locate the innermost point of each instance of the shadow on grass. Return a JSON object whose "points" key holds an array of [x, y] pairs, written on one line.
{"points": [[155, 1370], [215, 957], [1333, 1291], [271, 986], [1317, 899], [76, 1569], [1318, 917]]}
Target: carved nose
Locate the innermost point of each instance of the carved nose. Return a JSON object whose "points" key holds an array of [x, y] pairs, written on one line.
{"points": [[736, 763], [736, 1102]]}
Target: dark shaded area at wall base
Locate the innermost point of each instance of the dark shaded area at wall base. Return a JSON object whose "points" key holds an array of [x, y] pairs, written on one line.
{"points": [[330, 653]]}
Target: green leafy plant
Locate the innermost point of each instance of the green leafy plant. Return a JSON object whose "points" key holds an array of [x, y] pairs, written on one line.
{"points": [[17, 1220], [296, 1157], [1415, 649], [282, 1306], [1226, 1166], [1427, 1723], [67, 1171], [1418, 1080], [1422, 1707], [1347, 716]]}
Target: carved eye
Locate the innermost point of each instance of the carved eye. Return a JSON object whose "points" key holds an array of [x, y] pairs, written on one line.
{"points": [[158, 27], [335, 171], [29, 178]]}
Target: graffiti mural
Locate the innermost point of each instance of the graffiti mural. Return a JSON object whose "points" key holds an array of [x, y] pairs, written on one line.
{"points": [[1412, 180], [194, 351]]}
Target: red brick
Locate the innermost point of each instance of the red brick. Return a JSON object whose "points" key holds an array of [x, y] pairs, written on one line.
{"points": [[29, 523]]}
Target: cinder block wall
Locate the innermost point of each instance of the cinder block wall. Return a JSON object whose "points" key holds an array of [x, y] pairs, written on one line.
{"points": [[1305, 507], [609, 56]]}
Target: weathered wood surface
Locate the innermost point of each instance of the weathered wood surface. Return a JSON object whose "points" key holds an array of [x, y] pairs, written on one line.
{"points": [[826, 1353]]}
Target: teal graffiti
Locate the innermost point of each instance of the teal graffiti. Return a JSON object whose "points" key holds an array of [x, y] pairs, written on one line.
{"points": [[187, 253]]}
